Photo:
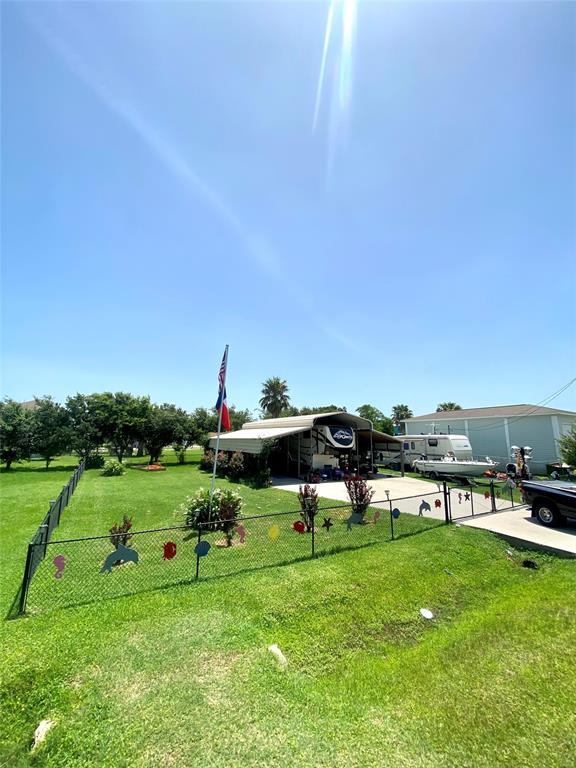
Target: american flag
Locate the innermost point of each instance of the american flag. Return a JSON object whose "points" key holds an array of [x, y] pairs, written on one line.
{"points": [[221, 405]]}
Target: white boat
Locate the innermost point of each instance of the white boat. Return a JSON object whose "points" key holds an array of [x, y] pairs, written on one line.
{"points": [[450, 465]]}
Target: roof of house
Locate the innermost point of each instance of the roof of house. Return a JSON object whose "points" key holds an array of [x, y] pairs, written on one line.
{"points": [[492, 412]]}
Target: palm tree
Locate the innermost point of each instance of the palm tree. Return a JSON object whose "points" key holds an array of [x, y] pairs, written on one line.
{"points": [[274, 398], [399, 413], [448, 407]]}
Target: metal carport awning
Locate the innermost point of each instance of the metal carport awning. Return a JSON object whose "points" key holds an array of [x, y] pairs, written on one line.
{"points": [[252, 440]]}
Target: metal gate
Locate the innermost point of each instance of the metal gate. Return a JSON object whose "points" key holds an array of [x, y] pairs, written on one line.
{"points": [[471, 500]]}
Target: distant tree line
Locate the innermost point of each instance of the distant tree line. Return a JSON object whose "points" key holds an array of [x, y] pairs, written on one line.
{"points": [[275, 403], [119, 420]]}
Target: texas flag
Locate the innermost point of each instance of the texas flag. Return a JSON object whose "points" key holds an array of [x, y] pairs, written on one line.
{"points": [[221, 405]]}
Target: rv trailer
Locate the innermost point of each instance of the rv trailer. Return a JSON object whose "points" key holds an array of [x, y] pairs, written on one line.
{"points": [[423, 447]]}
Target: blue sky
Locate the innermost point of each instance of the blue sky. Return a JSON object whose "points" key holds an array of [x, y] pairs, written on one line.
{"points": [[164, 194]]}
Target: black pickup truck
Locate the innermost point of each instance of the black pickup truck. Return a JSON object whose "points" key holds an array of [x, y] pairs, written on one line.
{"points": [[552, 501]]}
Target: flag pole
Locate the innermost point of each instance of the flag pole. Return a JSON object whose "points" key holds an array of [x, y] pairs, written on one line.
{"points": [[219, 429]]}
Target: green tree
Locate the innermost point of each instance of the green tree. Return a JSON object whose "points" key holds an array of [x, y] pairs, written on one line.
{"points": [[567, 446], [380, 422], [306, 411], [238, 417], [399, 413], [185, 434], [448, 407], [15, 432], [124, 422], [87, 423], [162, 427], [51, 429], [274, 398], [205, 422]]}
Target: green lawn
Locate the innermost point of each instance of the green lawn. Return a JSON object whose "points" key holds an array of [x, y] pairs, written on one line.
{"points": [[182, 676]]}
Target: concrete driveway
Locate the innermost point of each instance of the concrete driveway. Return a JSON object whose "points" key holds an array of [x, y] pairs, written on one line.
{"points": [[519, 527]]}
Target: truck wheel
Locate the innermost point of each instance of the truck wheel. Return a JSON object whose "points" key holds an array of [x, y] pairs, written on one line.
{"points": [[434, 475], [547, 513]]}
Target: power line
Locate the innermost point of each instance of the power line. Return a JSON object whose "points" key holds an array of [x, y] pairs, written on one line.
{"points": [[513, 420]]}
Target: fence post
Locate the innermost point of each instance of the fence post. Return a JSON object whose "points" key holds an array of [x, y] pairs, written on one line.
{"points": [[53, 505], [492, 496], [472, 501], [512, 496], [313, 527], [447, 510], [25, 581], [198, 550], [44, 529]]}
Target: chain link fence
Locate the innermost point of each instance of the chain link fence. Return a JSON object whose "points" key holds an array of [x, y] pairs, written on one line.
{"points": [[39, 543], [77, 571]]}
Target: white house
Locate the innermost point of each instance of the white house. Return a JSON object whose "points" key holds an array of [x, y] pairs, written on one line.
{"points": [[493, 431]]}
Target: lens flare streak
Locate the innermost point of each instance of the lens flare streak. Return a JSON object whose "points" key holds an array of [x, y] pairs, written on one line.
{"points": [[339, 54]]}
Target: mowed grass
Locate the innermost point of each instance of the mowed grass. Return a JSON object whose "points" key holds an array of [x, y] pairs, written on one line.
{"points": [[182, 675]]}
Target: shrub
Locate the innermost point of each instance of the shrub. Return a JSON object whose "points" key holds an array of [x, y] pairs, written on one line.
{"points": [[567, 445], [230, 506], [180, 451], [262, 478], [220, 516], [207, 460], [236, 468], [95, 461], [222, 464], [359, 493], [196, 508], [119, 533], [112, 468], [308, 498]]}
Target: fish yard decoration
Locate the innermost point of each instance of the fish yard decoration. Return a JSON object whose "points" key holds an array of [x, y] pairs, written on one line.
{"points": [[424, 507], [169, 550], [121, 554], [202, 548]]}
